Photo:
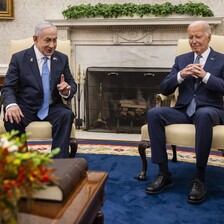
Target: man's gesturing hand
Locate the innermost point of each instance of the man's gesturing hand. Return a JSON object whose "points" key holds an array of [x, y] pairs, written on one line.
{"points": [[63, 86]]}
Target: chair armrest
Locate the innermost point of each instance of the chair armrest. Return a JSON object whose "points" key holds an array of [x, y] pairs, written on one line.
{"points": [[162, 100]]}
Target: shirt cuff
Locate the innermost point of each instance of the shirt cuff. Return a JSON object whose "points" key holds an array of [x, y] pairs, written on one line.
{"points": [[66, 96], [206, 78], [179, 79], [11, 104]]}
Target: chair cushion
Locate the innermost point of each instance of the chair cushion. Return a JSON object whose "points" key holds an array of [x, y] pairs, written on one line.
{"points": [[38, 130], [42, 130], [184, 135]]}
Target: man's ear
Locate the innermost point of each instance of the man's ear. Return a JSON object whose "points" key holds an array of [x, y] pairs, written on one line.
{"points": [[34, 39], [209, 36]]}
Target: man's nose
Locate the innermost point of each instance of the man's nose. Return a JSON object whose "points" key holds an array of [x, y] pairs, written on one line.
{"points": [[194, 40], [51, 44]]}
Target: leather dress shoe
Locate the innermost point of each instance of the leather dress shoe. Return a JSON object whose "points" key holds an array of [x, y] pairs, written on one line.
{"points": [[197, 193], [161, 182]]}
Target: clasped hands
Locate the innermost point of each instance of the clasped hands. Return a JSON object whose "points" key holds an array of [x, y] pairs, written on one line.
{"points": [[14, 113], [194, 70]]}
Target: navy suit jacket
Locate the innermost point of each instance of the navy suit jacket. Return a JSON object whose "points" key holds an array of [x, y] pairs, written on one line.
{"points": [[23, 82], [209, 94]]}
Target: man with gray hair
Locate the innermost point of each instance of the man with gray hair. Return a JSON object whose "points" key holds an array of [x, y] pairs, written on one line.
{"points": [[35, 83], [199, 76]]}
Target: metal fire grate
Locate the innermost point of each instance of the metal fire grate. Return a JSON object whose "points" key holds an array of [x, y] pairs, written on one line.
{"points": [[117, 99]]}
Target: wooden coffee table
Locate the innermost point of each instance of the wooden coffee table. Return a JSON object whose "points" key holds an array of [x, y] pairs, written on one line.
{"points": [[83, 206]]}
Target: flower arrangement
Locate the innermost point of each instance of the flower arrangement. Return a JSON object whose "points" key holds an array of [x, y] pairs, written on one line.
{"points": [[22, 173]]}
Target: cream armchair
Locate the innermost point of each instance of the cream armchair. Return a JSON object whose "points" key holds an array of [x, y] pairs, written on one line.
{"points": [[180, 134], [41, 130]]}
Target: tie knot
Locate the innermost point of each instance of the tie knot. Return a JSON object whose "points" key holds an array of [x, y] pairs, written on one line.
{"points": [[45, 59], [197, 59]]}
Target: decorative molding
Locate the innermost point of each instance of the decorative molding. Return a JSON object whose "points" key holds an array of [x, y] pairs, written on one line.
{"points": [[120, 31], [132, 37], [149, 21]]}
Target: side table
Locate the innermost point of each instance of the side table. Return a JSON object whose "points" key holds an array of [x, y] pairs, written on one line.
{"points": [[81, 207]]}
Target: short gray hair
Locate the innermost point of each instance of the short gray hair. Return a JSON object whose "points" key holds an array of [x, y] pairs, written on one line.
{"points": [[207, 28], [42, 25]]}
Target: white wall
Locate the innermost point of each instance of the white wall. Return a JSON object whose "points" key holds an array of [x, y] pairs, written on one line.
{"points": [[30, 12]]}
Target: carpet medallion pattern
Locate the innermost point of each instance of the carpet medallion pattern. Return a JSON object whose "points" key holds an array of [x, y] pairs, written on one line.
{"points": [[131, 149]]}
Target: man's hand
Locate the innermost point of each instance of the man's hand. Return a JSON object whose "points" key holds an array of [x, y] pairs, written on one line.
{"points": [[194, 70], [63, 86], [13, 113]]}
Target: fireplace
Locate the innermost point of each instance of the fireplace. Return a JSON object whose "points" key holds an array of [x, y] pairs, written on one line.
{"points": [[121, 60], [117, 98]]}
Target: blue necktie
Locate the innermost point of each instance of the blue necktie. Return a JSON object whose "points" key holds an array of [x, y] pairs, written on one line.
{"points": [[191, 108], [43, 112]]}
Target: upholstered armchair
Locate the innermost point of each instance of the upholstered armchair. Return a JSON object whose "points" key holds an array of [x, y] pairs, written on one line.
{"points": [[41, 130], [180, 134]]}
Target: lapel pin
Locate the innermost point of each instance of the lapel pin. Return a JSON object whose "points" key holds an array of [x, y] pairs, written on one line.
{"points": [[212, 59], [31, 59], [55, 59]]}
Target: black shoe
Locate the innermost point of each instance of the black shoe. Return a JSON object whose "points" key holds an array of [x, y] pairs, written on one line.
{"points": [[161, 182], [198, 192]]}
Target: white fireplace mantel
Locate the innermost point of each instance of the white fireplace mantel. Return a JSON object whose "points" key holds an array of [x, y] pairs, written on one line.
{"points": [[126, 41], [133, 21]]}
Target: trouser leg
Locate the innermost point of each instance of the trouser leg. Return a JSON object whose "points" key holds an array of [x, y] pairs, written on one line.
{"points": [[158, 118], [204, 120], [61, 119]]}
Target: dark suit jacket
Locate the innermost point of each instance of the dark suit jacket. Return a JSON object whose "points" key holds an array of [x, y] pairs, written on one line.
{"points": [[23, 82], [210, 94]]}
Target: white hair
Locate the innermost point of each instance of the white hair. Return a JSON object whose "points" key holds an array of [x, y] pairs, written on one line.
{"points": [[42, 25], [206, 26]]}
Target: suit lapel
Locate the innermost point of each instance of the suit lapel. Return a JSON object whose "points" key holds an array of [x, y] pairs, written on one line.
{"points": [[210, 60], [54, 63], [31, 57]]}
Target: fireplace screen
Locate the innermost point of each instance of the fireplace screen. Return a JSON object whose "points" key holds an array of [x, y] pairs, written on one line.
{"points": [[117, 99]]}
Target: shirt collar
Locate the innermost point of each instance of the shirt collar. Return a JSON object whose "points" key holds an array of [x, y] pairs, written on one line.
{"points": [[39, 55], [205, 54]]}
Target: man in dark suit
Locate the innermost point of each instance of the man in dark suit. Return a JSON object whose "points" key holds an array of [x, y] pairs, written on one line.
{"points": [[24, 95], [199, 75]]}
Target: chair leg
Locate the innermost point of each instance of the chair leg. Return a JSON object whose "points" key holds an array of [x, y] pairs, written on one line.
{"points": [[73, 143], [143, 145], [174, 148]]}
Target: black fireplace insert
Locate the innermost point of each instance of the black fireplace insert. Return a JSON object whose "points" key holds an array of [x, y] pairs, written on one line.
{"points": [[117, 98]]}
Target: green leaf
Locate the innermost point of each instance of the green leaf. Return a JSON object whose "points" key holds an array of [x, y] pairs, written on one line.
{"points": [[130, 9]]}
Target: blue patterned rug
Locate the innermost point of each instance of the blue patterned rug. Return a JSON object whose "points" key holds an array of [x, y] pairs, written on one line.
{"points": [[126, 201], [129, 149]]}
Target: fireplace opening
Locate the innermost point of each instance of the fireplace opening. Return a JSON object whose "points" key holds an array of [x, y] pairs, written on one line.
{"points": [[117, 98]]}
